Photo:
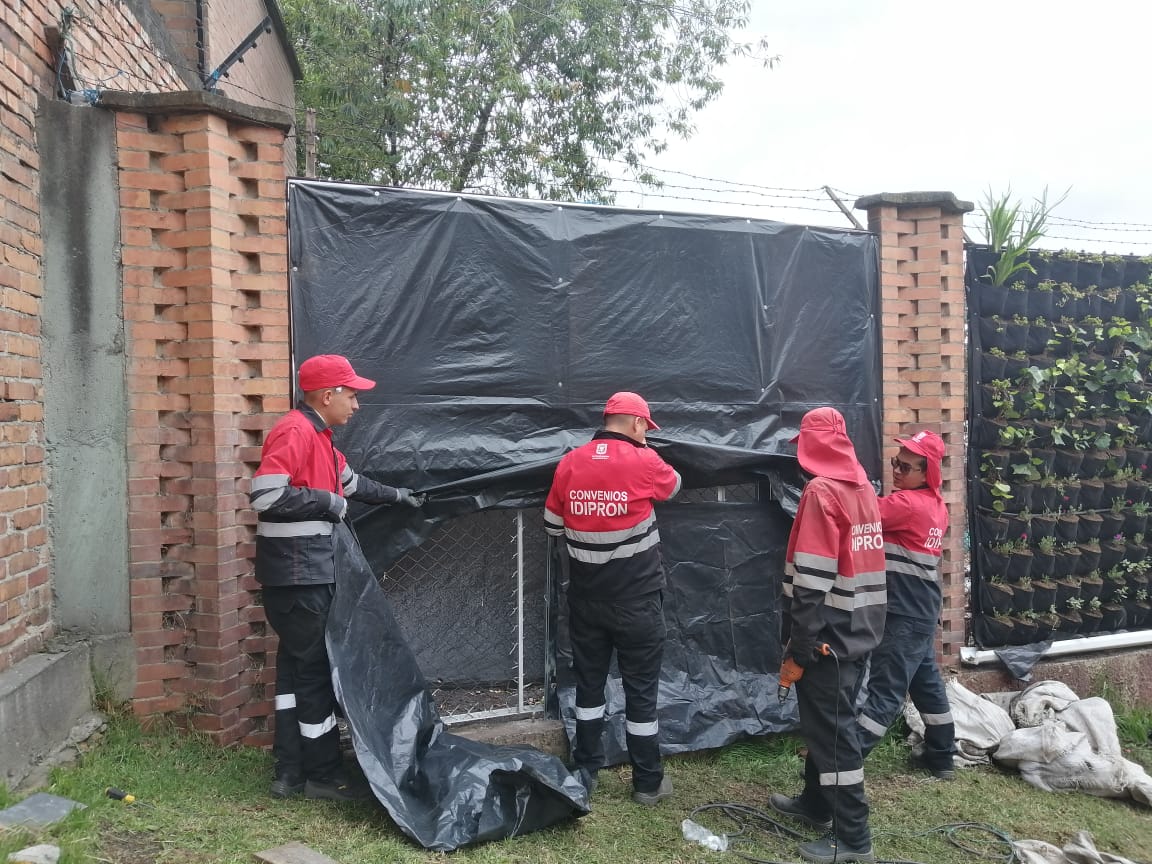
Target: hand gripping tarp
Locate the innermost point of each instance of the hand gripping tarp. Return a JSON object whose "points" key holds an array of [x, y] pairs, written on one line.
{"points": [[442, 790]]}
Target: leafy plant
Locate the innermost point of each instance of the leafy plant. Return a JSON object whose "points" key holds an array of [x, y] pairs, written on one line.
{"points": [[1001, 494], [1012, 230], [1047, 545]]}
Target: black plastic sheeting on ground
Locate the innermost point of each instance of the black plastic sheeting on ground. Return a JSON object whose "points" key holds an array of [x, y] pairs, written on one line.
{"points": [[442, 790]]}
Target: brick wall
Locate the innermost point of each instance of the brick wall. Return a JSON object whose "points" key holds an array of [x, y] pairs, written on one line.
{"points": [[268, 82], [922, 341], [26, 73], [205, 306]]}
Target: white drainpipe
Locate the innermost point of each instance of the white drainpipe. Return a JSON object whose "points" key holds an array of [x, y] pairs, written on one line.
{"points": [[978, 657]]}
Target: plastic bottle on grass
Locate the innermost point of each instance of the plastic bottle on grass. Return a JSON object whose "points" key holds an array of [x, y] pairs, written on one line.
{"points": [[699, 834]]}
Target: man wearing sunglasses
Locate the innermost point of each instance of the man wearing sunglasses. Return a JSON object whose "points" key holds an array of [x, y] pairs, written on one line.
{"points": [[915, 518]]}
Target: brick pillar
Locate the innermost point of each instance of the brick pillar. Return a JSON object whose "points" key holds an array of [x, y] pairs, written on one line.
{"points": [[25, 593], [924, 361], [206, 318]]}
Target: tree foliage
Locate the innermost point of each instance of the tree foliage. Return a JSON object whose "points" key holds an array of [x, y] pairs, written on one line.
{"points": [[516, 97]]}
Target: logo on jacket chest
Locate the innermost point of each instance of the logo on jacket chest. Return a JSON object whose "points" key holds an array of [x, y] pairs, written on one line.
{"points": [[601, 451]]}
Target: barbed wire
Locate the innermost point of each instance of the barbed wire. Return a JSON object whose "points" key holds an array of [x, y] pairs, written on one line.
{"points": [[721, 186]]}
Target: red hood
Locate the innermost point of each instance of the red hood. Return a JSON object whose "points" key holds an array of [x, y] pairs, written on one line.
{"points": [[824, 448]]}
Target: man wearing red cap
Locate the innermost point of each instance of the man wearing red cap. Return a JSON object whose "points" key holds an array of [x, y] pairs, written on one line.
{"points": [[300, 491], [601, 503], [833, 616], [915, 519]]}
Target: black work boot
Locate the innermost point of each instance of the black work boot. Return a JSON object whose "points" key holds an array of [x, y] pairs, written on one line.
{"points": [[587, 776], [338, 787], [940, 772], [795, 808], [829, 850], [650, 799], [288, 784]]}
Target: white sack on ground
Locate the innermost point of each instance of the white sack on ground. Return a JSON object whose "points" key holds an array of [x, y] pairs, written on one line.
{"points": [[1070, 744], [980, 724], [1079, 850]]}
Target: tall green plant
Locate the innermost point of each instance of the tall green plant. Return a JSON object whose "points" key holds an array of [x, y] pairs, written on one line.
{"points": [[1013, 230]]}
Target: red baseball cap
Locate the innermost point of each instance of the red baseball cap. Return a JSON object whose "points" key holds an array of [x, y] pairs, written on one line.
{"points": [[631, 404], [330, 370], [931, 447]]}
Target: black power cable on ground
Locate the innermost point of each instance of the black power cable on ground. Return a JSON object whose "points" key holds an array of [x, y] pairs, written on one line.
{"points": [[978, 839]]}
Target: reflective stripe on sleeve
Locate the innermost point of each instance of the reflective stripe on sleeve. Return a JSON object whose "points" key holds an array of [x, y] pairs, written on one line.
{"points": [[871, 725], [937, 719], [553, 520], [284, 701], [811, 580], [266, 490]]}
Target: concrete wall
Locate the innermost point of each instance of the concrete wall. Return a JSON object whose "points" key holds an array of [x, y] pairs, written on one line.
{"points": [[40, 701], [85, 409]]}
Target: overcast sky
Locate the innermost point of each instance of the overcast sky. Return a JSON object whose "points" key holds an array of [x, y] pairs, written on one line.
{"points": [[902, 95]]}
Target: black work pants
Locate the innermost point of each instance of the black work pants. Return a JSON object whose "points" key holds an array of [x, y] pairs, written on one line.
{"points": [[834, 769], [635, 629], [307, 742]]}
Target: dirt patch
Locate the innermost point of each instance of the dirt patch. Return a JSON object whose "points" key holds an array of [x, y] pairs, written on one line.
{"points": [[130, 848], [454, 702]]}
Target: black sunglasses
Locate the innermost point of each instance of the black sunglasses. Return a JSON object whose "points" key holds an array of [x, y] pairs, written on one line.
{"points": [[904, 467]]}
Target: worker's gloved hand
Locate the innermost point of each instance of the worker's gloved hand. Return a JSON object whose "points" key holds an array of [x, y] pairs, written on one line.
{"points": [[338, 507], [410, 498], [790, 672]]}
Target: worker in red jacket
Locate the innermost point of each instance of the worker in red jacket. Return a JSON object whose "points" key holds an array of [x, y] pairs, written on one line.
{"points": [[915, 519], [601, 503], [300, 493], [834, 596]]}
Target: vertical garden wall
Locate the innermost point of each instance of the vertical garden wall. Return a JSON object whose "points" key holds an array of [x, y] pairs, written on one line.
{"points": [[1061, 447]]}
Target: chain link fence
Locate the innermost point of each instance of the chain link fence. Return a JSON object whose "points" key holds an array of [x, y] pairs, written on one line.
{"points": [[471, 604], [470, 601]]}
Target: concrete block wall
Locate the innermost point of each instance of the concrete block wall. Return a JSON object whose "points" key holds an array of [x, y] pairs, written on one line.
{"points": [[26, 76], [924, 360], [206, 312]]}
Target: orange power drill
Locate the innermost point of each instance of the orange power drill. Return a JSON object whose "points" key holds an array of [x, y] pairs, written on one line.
{"points": [[791, 672]]}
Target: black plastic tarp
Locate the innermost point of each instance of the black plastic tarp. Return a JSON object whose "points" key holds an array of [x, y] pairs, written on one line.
{"points": [[443, 790], [497, 328], [722, 656]]}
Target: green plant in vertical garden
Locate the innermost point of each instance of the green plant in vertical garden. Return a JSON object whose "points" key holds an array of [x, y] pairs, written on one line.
{"points": [[1012, 230]]}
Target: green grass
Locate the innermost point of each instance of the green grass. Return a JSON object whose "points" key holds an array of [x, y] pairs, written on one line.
{"points": [[200, 803]]}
